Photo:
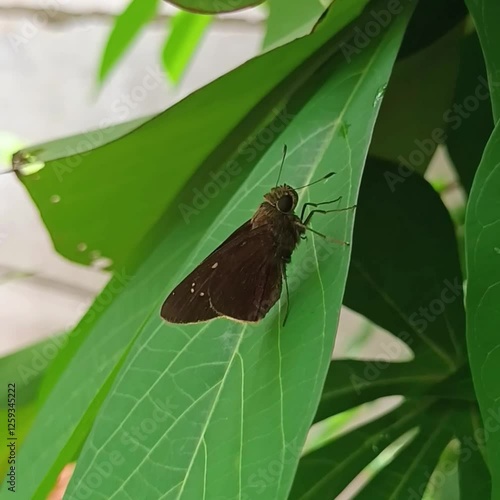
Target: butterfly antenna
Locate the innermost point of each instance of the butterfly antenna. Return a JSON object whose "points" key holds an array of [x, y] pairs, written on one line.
{"points": [[285, 149], [315, 182]]}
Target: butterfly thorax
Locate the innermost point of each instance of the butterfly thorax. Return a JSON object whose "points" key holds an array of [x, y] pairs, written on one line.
{"points": [[277, 212]]}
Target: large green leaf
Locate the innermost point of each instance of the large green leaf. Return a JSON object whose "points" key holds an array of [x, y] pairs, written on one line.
{"points": [[75, 191], [482, 240], [486, 14], [412, 120], [405, 273], [239, 412], [214, 6], [470, 121]]}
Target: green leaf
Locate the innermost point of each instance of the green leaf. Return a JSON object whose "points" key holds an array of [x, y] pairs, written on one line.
{"points": [[431, 21], [412, 121], [470, 120], [485, 15], [350, 383], [474, 476], [157, 158], [482, 244], [443, 483], [286, 23], [233, 390], [26, 368], [405, 273], [214, 6], [408, 474], [185, 35], [126, 28], [325, 472]]}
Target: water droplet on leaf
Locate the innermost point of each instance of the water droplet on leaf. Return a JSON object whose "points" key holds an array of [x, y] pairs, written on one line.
{"points": [[101, 263], [380, 95]]}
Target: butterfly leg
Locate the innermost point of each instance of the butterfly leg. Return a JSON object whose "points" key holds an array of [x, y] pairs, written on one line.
{"points": [[318, 211], [309, 203], [327, 238], [283, 270]]}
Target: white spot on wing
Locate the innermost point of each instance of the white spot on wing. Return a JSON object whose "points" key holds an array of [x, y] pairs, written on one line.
{"points": [[215, 265], [192, 290], [202, 294]]}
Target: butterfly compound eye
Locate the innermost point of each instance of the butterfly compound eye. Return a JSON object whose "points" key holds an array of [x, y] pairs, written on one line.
{"points": [[285, 204]]}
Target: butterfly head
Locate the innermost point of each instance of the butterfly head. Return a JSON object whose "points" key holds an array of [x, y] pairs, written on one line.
{"points": [[283, 198]]}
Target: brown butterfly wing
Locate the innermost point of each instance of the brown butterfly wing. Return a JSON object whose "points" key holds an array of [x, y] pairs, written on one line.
{"points": [[184, 306], [241, 279], [247, 281]]}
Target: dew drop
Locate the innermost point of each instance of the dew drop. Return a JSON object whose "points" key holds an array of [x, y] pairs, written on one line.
{"points": [[497, 250], [81, 247], [375, 449], [55, 198], [380, 94], [101, 263]]}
